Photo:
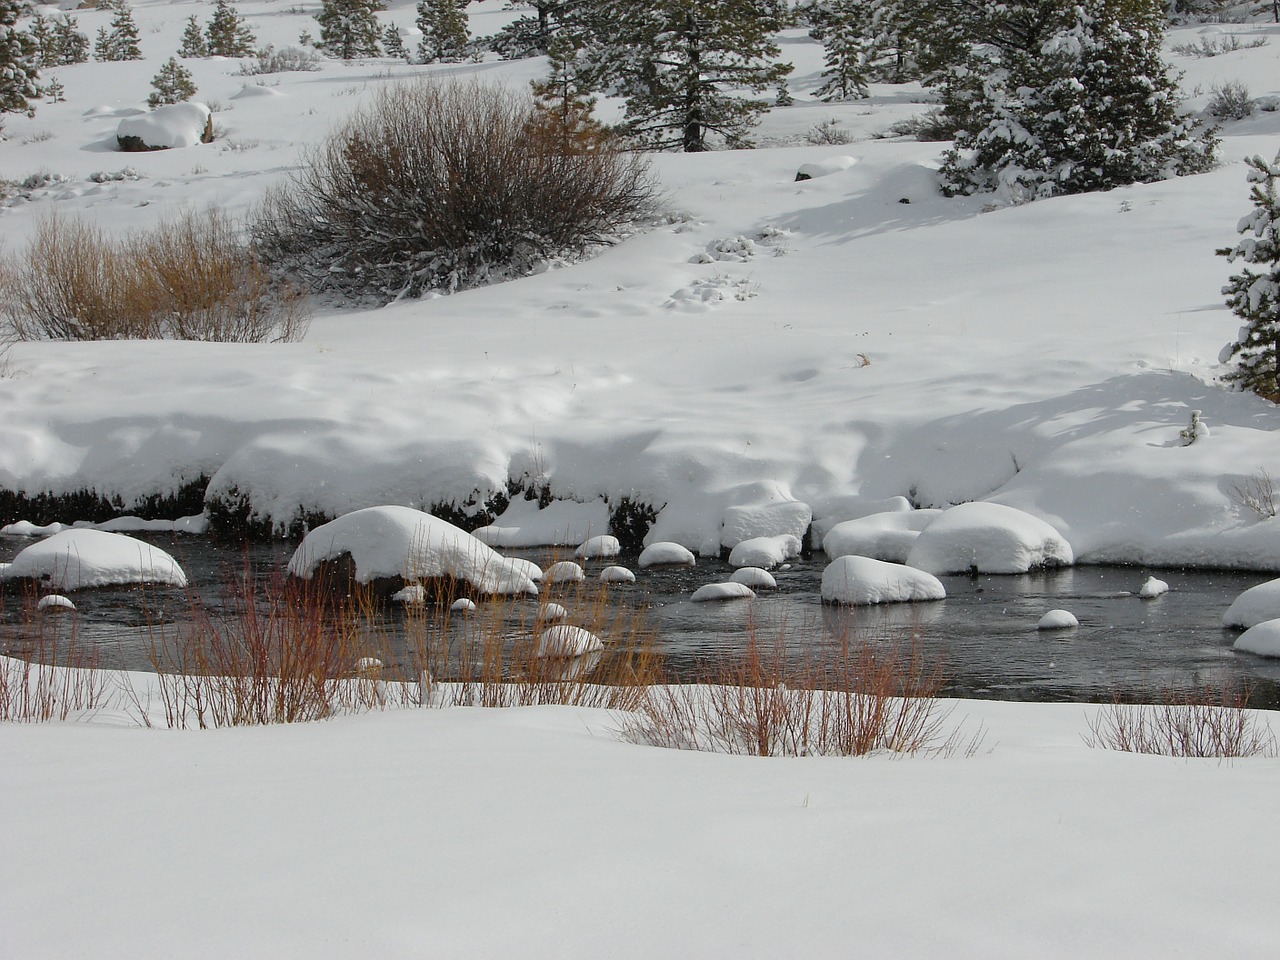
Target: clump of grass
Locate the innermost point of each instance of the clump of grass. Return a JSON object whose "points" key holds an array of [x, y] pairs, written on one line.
{"points": [[46, 673], [1210, 721], [191, 278], [1216, 46]]}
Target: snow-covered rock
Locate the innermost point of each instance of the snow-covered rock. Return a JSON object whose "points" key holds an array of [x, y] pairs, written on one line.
{"points": [[563, 571], [602, 546], [55, 602], [173, 125], [617, 575], [1152, 588], [765, 551], [713, 592], [865, 580], [884, 536], [666, 554], [412, 595], [462, 605], [394, 541], [1058, 620], [80, 559], [25, 528], [564, 641], [1262, 639], [552, 612], [763, 510], [757, 578], [989, 538], [1254, 606], [824, 168]]}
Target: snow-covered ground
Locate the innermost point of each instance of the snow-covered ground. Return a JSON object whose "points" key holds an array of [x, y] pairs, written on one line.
{"points": [[767, 350]]}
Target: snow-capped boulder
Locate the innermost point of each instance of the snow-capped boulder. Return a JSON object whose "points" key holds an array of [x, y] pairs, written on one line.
{"points": [[666, 554], [564, 641], [714, 592], [173, 125], [865, 580], [762, 510], [552, 613], [563, 571], [988, 538], [765, 552], [757, 578], [395, 541], [1152, 588], [1254, 606], [80, 559], [411, 595], [1262, 639], [462, 605], [824, 168], [884, 536], [54, 603], [1058, 620], [603, 546], [617, 575]]}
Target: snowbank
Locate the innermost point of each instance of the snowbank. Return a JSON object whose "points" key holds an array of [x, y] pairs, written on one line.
{"points": [[884, 536], [80, 559], [766, 552], [561, 523], [865, 580], [989, 538], [1262, 639], [1254, 606]]}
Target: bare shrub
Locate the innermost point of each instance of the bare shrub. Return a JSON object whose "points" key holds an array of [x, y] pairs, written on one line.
{"points": [[441, 186], [191, 278], [1216, 46], [932, 126], [47, 673], [1257, 493], [1212, 721], [1230, 101], [828, 132], [283, 60]]}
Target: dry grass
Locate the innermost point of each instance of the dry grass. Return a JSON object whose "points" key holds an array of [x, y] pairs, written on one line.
{"points": [[49, 675], [1211, 721], [191, 278]]}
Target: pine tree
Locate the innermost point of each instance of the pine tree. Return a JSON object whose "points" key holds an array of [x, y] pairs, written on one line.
{"points": [[531, 35], [393, 43], [844, 27], [227, 35], [73, 46], [1254, 296], [18, 69], [1078, 99], [44, 43], [348, 28], [121, 42], [444, 30], [55, 91], [173, 84], [102, 45], [676, 60], [564, 102], [193, 41]]}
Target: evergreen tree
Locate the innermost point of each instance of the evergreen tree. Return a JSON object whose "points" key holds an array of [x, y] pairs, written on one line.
{"points": [[44, 43], [844, 27], [121, 42], [444, 30], [18, 68], [55, 91], [102, 45], [1254, 296], [393, 43], [564, 100], [73, 46], [675, 61], [531, 35], [227, 35], [173, 84], [348, 28], [193, 41], [1078, 99]]}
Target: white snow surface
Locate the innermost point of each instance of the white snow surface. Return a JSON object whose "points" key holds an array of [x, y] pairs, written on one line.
{"points": [[169, 126], [859, 581], [766, 552], [717, 592], [1262, 638], [391, 541], [989, 538], [1254, 606], [884, 536], [82, 559]]}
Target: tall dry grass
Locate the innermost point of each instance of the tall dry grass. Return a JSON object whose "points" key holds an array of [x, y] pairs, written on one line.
{"points": [[191, 278], [1212, 720], [47, 674]]}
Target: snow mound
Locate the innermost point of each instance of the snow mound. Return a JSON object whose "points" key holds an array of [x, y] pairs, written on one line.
{"points": [[712, 592], [1254, 606], [250, 90], [756, 578], [552, 612], [25, 528], [564, 641], [393, 541], [81, 559], [564, 570], [561, 523], [1262, 639], [55, 602], [1152, 588], [413, 594], [824, 168], [167, 127], [989, 538], [605, 546], [666, 554], [859, 581], [463, 605], [770, 512], [765, 551], [1058, 620], [884, 536], [617, 575]]}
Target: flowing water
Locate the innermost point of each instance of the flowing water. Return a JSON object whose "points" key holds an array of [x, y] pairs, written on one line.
{"points": [[985, 631]]}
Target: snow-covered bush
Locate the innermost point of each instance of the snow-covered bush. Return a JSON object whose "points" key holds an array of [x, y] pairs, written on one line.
{"points": [[283, 60], [1230, 101], [1254, 295], [441, 186], [192, 278]]}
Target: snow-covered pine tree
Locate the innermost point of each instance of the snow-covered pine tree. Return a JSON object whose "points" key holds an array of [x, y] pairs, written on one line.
{"points": [[1254, 295], [73, 46], [564, 100], [227, 35], [173, 84], [18, 70], [1079, 99], [193, 41], [531, 35], [43, 41], [349, 28], [121, 41], [676, 62], [393, 43], [444, 30], [845, 30]]}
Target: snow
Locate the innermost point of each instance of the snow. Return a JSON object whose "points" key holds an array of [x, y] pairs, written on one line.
{"points": [[824, 168], [616, 574], [564, 640], [1153, 587], [859, 581], [559, 524], [1262, 638], [885, 536], [413, 594], [391, 541], [564, 570], [601, 546], [463, 605], [83, 559], [55, 602], [1254, 606], [717, 592], [757, 578], [666, 554], [1058, 620], [551, 612], [988, 538], [765, 552], [173, 125]]}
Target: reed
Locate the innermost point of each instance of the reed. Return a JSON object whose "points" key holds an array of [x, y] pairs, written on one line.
{"points": [[1211, 720], [48, 674]]}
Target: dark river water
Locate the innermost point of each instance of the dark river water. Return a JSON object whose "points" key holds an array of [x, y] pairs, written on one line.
{"points": [[985, 632]]}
